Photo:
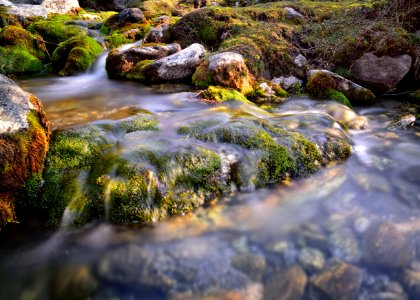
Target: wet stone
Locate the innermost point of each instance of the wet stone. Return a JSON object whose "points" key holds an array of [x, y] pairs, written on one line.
{"points": [[385, 246], [287, 285], [312, 260], [251, 264], [72, 282], [340, 281], [345, 246], [411, 280]]}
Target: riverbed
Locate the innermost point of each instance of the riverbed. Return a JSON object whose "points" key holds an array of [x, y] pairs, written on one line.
{"points": [[273, 243]]}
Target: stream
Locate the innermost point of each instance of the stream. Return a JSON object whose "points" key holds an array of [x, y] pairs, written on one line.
{"points": [[280, 242]]}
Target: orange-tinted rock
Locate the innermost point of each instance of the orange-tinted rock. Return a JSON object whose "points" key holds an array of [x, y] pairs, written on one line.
{"points": [[24, 137]]}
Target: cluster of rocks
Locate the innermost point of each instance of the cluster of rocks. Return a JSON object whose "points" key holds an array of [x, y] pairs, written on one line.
{"points": [[42, 8]]}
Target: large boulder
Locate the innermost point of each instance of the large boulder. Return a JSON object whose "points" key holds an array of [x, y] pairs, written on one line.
{"points": [[227, 69], [60, 6], [176, 67], [328, 85], [122, 62], [381, 74], [24, 138]]}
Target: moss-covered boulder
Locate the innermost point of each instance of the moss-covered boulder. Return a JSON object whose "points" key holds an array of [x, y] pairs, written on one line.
{"points": [[328, 85], [15, 36], [75, 55], [55, 32], [24, 138], [227, 69], [120, 63], [8, 19], [147, 174]]}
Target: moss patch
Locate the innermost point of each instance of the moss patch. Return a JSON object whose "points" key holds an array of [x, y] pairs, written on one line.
{"points": [[18, 61], [75, 55], [220, 95]]}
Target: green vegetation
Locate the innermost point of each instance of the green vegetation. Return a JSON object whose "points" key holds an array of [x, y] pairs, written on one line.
{"points": [[220, 95], [75, 55], [18, 61]]}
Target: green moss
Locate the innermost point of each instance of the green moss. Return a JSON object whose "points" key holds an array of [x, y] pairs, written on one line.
{"points": [[338, 96], [55, 32], [140, 122], [137, 73], [14, 36], [201, 78], [116, 39], [75, 55], [18, 61], [220, 95]]}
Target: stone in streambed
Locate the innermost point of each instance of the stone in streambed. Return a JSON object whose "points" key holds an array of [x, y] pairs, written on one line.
{"points": [[250, 264], [312, 260], [287, 285], [72, 282], [120, 63], [385, 246], [340, 281]]}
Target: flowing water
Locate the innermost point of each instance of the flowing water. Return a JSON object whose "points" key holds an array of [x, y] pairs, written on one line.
{"points": [[243, 246]]}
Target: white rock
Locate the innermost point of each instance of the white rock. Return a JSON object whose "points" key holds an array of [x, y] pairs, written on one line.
{"points": [[291, 13], [28, 10], [178, 66], [14, 106], [6, 3], [287, 82], [300, 61], [59, 6]]}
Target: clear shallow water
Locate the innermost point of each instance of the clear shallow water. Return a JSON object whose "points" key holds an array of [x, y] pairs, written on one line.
{"points": [[243, 246]]}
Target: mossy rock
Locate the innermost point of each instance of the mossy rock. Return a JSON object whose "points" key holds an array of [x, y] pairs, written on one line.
{"points": [[219, 95], [24, 140], [324, 84], [15, 36], [55, 32], [75, 55], [18, 61]]}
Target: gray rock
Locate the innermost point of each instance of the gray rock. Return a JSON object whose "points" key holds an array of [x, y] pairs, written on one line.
{"points": [[381, 74], [340, 281], [385, 246], [251, 264], [300, 61], [178, 66], [156, 34], [288, 83], [59, 6], [14, 106], [291, 13], [312, 260], [131, 15], [345, 246], [27, 10]]}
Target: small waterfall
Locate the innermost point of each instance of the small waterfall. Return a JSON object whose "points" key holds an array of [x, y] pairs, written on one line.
{"points": [[149, 198], [69, 216], [97, 69]]}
